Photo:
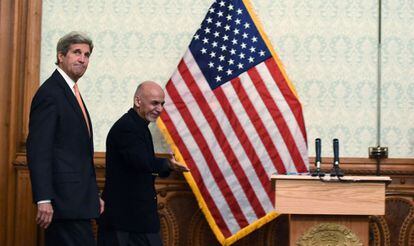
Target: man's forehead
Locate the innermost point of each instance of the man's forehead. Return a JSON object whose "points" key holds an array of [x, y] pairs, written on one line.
{"points": [[158, 98], [81, 46], [154, 91]]}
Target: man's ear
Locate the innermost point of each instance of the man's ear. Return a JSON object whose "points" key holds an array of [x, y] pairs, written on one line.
{"points": [[137, 101], [60, 57]]}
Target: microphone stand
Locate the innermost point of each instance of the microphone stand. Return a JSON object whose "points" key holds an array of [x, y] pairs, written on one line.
{"points": [[336, 170], [318, 159]]}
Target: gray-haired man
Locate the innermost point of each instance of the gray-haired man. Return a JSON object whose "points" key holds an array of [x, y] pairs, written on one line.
{"points": [[60, 150]]}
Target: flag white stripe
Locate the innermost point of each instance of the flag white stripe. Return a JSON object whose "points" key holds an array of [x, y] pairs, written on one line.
{"points": [[268, 122], [230, 133], [290, 119], [250, 130], [200, 162], [212, 142]]}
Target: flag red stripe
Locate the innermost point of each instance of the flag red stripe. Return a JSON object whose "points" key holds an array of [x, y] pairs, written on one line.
{"points": [[290, 98], [195, 172], [258, 124], [208, 156], [279, 120], [222, 140], [245, 142]]}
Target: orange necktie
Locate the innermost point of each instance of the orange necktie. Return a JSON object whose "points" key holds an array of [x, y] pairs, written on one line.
{"points": [[78, 97]]}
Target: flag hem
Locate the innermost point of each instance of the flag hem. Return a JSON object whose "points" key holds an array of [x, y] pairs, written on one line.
{"points": [[251, 228], [202, 204]]}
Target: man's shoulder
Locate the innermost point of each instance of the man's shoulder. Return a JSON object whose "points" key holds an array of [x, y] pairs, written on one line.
{"points": [[127, 124], [122, 128], [123, 123], [50, 87]]}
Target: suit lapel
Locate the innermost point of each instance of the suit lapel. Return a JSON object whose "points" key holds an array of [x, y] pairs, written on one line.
{"points": [[72, 101]]}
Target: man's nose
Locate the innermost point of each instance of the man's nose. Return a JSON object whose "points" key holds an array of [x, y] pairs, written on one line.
{"points": [[159, 108], [82, 58]]}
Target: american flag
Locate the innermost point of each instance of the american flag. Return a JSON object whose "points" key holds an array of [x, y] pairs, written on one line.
{"points": [[232, 116]]}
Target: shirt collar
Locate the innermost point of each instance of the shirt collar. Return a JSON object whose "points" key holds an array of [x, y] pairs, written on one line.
{"points": [[68, 80], [137, 118]]}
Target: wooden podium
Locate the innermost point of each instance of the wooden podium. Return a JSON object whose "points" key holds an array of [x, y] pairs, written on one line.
{"points": [[328, 211]]}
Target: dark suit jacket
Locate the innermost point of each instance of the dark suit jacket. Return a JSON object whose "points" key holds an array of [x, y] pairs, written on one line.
{"points": [[129, 193], [60, 152]]}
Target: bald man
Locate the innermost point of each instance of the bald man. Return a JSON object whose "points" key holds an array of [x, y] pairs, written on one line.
{"points": [[131, 216]]}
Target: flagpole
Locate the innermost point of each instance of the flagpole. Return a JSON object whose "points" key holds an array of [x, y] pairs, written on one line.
{"points": [[379, 152], [379, 72]]}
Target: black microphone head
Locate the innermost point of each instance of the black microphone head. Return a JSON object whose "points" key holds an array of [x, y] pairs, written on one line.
{"points": [[318, 150], [336, 150]]}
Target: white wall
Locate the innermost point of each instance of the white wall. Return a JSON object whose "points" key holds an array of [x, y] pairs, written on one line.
{"points": [[328, 47]]}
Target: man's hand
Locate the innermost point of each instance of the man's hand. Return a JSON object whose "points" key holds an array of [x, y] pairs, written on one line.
{"points": [[44, 214], [176, 166], [102, 205]]}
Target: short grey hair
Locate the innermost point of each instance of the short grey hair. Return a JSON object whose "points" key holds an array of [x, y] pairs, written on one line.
{"points": [[72, 38]]}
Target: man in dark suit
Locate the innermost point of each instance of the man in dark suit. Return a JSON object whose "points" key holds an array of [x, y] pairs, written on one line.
{"points": [[131, 216], [60, 150]]}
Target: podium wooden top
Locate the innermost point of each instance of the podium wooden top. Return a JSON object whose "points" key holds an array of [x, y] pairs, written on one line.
{"points": [[349, 195], [385, 179]]}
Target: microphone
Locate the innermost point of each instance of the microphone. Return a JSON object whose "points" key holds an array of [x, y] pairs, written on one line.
{"points": [[336, 171], [318, 159], [336, 151]]}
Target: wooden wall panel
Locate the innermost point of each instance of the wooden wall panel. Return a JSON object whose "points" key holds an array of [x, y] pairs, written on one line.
{"points": [[6, 18], [20, 22], [183, 223], [24, 71], [25, 213]]}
